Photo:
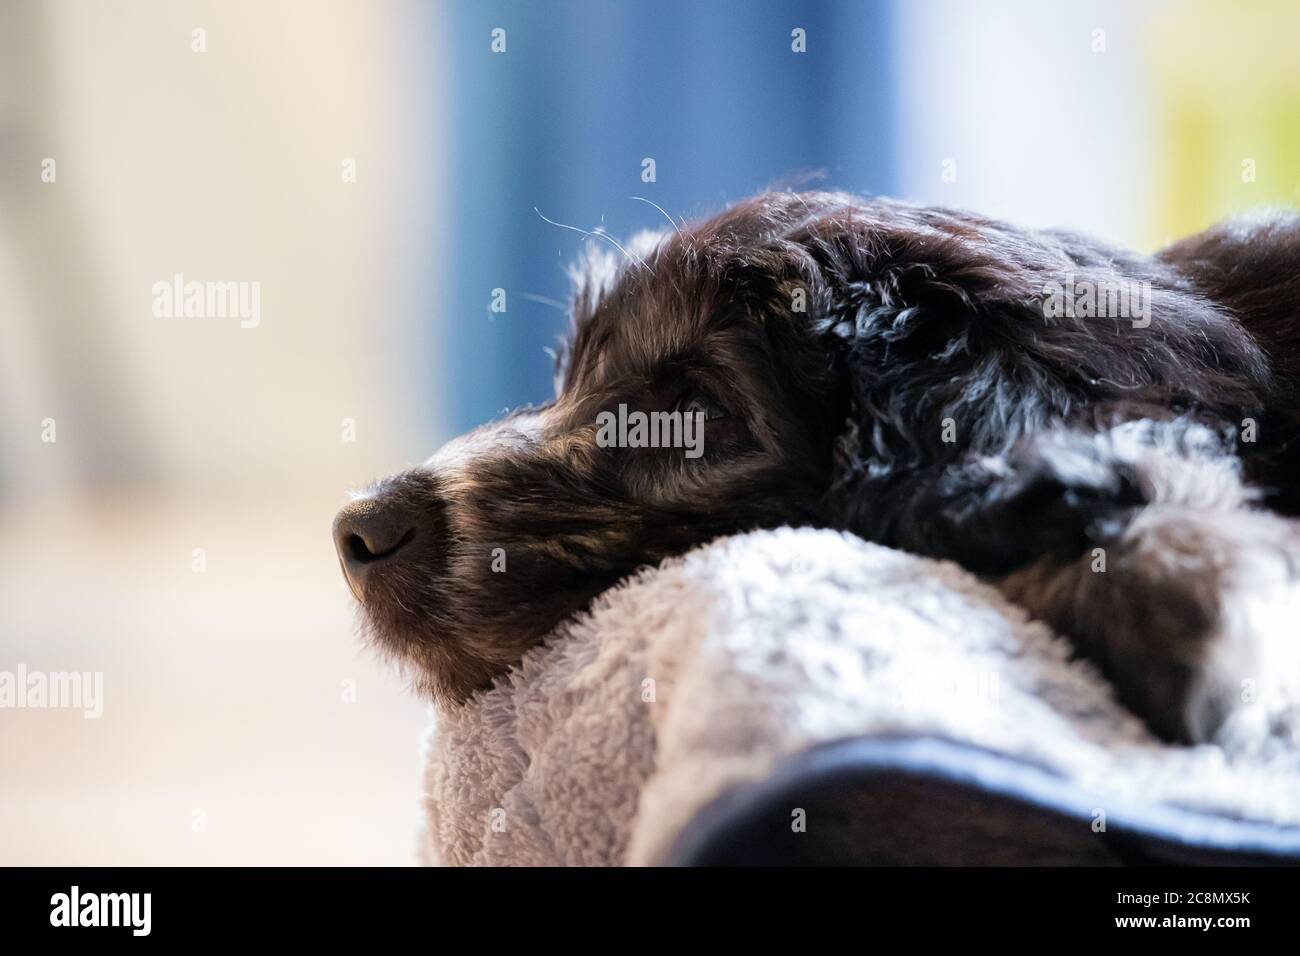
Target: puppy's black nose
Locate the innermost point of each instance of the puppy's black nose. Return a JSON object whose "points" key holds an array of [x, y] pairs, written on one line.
{"points": [[368, 533]]}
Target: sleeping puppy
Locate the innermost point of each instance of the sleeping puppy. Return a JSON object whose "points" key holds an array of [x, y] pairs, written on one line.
{"points": [[1110, 437]]}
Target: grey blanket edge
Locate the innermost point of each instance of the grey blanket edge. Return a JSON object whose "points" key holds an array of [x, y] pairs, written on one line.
{"points": [[927, 801]]}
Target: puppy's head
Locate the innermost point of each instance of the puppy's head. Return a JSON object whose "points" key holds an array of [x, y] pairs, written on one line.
{"points": [[464, 563], [745, 325]]}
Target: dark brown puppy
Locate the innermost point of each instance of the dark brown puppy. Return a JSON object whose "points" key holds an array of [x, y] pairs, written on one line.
{"points": [[898, 371]]}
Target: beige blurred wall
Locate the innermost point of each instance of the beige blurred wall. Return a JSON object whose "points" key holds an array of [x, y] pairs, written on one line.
{"points": [[221, 165], [175, 538]]}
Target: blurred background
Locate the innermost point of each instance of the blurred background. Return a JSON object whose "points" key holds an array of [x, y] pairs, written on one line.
{"points": [[379, 168]]}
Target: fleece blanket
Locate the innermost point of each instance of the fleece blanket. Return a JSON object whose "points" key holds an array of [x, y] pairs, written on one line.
{"points": [[802, 696]]}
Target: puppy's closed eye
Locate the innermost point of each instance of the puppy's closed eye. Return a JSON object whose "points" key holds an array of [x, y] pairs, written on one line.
{"points": [[696, 402], [723, 429]]}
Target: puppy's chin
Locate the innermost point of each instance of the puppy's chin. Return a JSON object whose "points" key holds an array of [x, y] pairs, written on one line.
{"points": [[448, 652], [433, 661]]}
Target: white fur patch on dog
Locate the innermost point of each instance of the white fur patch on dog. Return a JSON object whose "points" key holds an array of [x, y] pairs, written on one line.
{"points": [[704, 673]]}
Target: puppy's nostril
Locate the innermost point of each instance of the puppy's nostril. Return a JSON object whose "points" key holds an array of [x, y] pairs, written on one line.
{"points": [[357, 549], [368, 533], [364, 552]]}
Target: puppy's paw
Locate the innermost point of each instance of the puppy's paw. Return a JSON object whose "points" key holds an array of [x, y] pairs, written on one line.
{"points": [[1062, 492], [1055, 494], [1192, 619], [1244, 692], [1071, 490], [1238, 702]]}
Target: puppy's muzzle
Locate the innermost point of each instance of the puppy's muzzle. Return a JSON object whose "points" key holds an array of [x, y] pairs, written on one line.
{"points": [[369, 534]]}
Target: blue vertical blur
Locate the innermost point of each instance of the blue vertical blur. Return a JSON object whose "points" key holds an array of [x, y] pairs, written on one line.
{"points": [[586, 90]]}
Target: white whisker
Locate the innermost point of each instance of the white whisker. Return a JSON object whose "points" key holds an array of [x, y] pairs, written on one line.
{"points": [[553, 303], [597, 234], [661, 210]]}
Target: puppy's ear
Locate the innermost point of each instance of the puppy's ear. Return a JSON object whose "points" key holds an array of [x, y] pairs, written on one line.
{"points": [[922, 321], [943, 327]]}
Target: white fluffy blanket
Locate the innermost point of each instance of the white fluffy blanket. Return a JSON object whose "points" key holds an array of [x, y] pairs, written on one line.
{"points": [[702, 674]]}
